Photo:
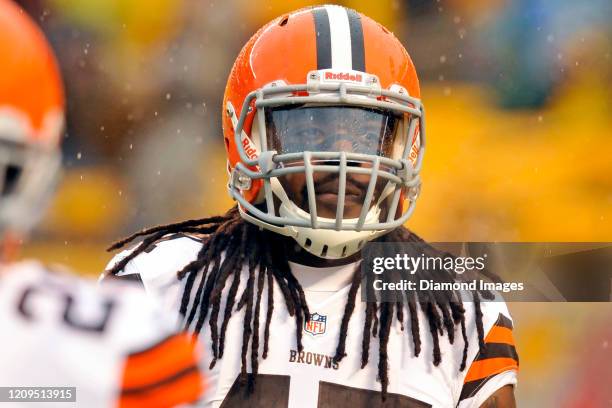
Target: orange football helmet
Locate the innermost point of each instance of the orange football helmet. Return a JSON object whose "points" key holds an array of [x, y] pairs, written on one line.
{"points": [[31, 120], [333, 64]]}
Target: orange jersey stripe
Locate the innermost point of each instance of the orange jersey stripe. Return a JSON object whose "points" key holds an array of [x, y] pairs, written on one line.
{"points": [[500, 334], [186, 389], [491, 366], [161, 361]]}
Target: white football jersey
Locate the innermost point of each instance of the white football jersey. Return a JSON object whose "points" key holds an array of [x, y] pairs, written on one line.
{"points": [[288, 378], [111, 343]]}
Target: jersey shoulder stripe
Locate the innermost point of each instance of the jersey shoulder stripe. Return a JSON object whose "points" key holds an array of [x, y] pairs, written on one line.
{"points": [[498, 356], [164, 374]]}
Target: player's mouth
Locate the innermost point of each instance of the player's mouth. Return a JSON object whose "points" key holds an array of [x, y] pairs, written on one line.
{"points": [[327, 194]]}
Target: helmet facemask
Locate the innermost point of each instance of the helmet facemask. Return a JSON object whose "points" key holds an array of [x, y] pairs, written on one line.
{"points": [[28, 176], [335, 158]]}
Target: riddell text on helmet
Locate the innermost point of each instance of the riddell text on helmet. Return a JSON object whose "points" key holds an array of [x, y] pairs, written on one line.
{"points": [[250, 151], [344, 76]]}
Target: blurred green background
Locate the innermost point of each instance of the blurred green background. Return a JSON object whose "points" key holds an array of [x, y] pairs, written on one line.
{"points": [[518, 123]]}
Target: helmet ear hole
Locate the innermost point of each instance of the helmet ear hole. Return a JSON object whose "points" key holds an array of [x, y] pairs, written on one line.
{"points": [[11, 178]]}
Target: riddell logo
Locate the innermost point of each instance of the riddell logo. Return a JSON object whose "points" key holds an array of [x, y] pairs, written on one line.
{"points": [[250, 151], [343, 76]]}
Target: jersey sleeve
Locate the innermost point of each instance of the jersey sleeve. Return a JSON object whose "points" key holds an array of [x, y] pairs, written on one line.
{"points": [[157, 267], [165, 374], [129, 273], [494, 367]]}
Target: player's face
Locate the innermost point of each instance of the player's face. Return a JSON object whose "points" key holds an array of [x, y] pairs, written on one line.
{"points": [[332, 129]]}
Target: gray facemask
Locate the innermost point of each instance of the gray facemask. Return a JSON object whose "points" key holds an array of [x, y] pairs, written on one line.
{"points": [[343, 128]]}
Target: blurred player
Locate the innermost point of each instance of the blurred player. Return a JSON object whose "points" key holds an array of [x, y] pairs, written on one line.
{"points": [[324, 133], [58, 330]]}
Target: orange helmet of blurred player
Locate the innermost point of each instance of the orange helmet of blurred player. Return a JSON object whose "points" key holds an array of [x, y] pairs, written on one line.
{"points": [[324, 64], [31, 120]]}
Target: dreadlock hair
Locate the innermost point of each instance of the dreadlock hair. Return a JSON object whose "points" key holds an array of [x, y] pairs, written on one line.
{"points": [[229, 243]]}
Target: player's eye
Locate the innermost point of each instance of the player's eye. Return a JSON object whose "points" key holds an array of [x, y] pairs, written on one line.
{"points": [[309, 132], [366, 140], [310, 136], [371, 137]]}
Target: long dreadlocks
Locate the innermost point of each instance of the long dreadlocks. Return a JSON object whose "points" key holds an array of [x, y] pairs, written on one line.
{"points": [[265, 255]]}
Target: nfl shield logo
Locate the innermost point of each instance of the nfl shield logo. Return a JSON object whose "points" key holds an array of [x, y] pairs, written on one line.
{"points": [[316, 325]]}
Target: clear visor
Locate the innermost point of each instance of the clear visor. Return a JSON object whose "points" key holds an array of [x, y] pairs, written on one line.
{"points": [[293, 129]]}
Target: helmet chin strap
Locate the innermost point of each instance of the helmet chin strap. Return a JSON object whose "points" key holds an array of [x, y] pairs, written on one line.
{"points": [[326, 243]]}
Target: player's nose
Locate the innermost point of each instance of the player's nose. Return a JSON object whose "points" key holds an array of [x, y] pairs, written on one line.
{"points": [[343, 144]]}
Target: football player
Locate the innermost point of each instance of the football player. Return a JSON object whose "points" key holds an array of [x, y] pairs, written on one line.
{"points": [[59, 330], [324, 132]]}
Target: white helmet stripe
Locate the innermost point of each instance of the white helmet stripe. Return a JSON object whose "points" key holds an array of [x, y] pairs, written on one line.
{"points": [[340, 34]]}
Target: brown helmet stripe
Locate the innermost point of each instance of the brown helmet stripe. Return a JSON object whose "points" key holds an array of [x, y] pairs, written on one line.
{"points": [[322, 30], [357, 47]]}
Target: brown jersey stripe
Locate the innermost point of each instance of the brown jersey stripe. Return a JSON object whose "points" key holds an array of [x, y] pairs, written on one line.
{"points": [[470, 389], [494, 350], [503, 321]]}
